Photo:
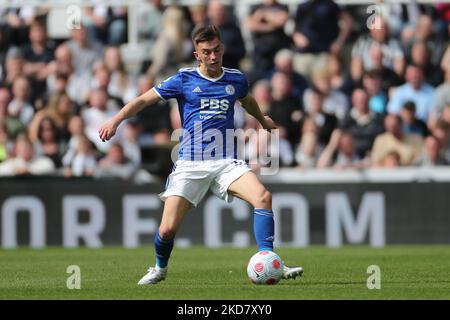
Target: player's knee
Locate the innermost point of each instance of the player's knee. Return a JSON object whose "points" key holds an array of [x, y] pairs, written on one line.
{"points": [[264, 200], [167, 232]]}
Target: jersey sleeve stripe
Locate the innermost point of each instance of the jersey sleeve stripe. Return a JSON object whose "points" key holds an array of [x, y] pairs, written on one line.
{"points": [[232, 70], [159, 94]]}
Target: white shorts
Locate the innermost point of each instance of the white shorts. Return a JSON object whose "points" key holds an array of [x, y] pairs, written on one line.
{"points": [[192, 179]]}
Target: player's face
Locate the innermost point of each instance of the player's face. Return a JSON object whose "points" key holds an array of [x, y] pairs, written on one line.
{"points": [[210, 54]]}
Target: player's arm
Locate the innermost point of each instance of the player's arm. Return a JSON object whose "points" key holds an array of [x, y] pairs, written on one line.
{"points": [[108, 129], [251, 106]]}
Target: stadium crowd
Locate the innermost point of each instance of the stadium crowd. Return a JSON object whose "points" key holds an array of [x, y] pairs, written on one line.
{"points": [[347, 90]]}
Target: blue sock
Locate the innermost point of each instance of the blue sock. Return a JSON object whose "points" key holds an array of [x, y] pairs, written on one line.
{"points": [[163, 248], [263, 227]]}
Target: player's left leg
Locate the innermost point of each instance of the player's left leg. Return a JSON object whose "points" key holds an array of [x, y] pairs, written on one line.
{"points": [[249, 188]]}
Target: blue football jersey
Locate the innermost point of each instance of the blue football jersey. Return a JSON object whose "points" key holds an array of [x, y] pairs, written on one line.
{"points": [[206, 108]]}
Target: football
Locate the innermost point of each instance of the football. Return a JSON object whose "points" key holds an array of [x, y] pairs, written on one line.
{"points": [[265, 267]]}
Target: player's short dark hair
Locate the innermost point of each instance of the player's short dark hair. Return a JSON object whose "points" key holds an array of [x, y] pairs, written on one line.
{"points": [[203, 33]]}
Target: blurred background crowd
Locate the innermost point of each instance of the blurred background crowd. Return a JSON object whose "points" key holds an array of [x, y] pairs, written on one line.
{"points": [[347, 88]]}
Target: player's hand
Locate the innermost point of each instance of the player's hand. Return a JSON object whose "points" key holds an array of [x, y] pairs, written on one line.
{"points": [[268, 123], [107, 130]]}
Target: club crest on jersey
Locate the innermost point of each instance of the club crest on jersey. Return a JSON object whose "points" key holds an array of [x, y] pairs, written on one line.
{"points": [[229, 89]]}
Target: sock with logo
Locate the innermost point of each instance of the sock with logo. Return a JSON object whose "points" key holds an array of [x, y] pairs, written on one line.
{"points": [[263, 227], [163, 248]]}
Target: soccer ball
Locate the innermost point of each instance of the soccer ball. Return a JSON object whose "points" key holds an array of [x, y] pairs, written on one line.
{"points": [[265, 267]]}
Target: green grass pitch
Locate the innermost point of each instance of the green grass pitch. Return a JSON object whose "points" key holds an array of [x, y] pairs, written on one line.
{"points": [[407, 272]]}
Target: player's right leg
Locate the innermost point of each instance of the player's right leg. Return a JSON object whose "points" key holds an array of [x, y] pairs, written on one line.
{"points": [[175, 208]]}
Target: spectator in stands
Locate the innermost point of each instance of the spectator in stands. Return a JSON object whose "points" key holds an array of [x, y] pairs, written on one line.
{"points": [[115, 164], [340, 153], [79, 79], [321, 26], [420, 56], [121, 83], [105, 24], [38, 53], [76, 130], [308, 150], [283, 61], [59, 109], [441, 130], [149, 24], [261, 91], [389, 78], [17, 20], [117, 25], [266, 23], [423, 32], [409, 146], [63, 63], [154, 122], [230, 33], [20, 106], [445, 62], [59, 86], [431, 153], [3, 141], [334, 101], [443, 12], [171, 49], [14, 66], [25, 162], [48, 142], [412, 125], [101, 80], [446, 114], [325, 122], [392, 159], [5, 99], [130, 142], [84, 51], [362, 123], [94, 115], [4, 46], [377, 39], [261, 148], [442, 98], [340, 79], [95, 20], [198, 14], [372, 83], [285, 108], [12, 124], [81, 162], [416, 90], [62, 77], [399, 16]]}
